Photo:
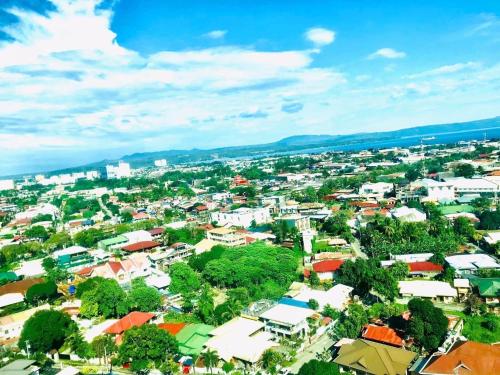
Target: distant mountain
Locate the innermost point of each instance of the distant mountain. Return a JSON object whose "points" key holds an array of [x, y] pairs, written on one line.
{"points": [[442, 133]]}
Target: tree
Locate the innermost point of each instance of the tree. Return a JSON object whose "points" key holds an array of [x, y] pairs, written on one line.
{"points": [[205, 308], [184, 279], [270, 360], [104, 346], [37, 232], [313, 304], [46, 330], [399, 270], [330, 312], [145, 344], [314, 279], [87, 285], [144, 298], [317, 367], [464, 170], [210, 358], [428, 325], [227, 367], [41, 292], [89, 237], [463, 227], [351, 322], [474, 306], [79, 346], [57, 241], [107, 299]]}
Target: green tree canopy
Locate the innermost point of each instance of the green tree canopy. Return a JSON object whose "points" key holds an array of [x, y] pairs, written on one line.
{"points": [[316, 367], [184, 279], [106, 299], [144, 298], [428, 325], [46, 330], [42, 292], [146, 344]]}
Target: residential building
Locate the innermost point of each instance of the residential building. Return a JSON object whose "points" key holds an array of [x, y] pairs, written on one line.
{"points": [[113, 243], [249, 334], [286, 320], [368, 357], [192, 338], [435, 191], [327, 269], [20, 367], [301, 223], [12, 325], [226, 237], [435, 290], [377, 189], [408, 215], [471, 263], [160, 163], [489, 290], [382, 334], [465, 357], [337, 296], [242, 217], [73, 256], [463, 185]]}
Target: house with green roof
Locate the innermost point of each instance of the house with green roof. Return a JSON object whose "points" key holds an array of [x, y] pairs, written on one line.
{"points": [[489, 290], [192, 338], [112, 243], [368, 357]]}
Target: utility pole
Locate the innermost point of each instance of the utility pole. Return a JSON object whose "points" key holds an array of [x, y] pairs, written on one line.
{"points": [[28, 347]]}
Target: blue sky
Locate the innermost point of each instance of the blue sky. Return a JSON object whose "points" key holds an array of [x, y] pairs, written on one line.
{"points": [[86, 80]]}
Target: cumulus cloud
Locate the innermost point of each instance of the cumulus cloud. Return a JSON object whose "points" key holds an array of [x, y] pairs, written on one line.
{"points": [[320, 36], [387, 53], [215, 34]]}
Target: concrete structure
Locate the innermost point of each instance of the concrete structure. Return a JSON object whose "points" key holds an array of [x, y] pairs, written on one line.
{"points": [[301, 223], [161, 163], [377, 189], [471, 263], [408, 215], [464, 185], [435, 290], [73, 256], [286, 320], [241, 217], [7, 185], [226, 237], [122, 170]]}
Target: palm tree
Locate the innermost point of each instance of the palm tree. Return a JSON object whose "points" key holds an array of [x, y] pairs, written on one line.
{"points": [[270, 359], [210, 359]]}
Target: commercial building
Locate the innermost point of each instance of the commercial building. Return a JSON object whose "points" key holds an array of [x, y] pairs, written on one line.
{"points": [[226, 237], [122, 170], [7, 185], [242, 217]]}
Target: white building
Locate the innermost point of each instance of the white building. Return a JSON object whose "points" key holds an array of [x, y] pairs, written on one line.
{"points": [[437, 191], [286, 320], [470, 263], [464, 185], [226, 237], [377, 189], [337, 296], [436, 290], [241, 217], [7, 185], [43, 209], [409, 215], [91, 175], [161, 163], [137, 236], [122, 170]]}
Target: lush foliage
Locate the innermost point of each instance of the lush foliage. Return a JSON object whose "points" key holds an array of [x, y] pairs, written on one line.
{"points": [[46, 330], [106, 299], [351, 322], [184, 279], [42, 292], [316, 367], [428, 324]]}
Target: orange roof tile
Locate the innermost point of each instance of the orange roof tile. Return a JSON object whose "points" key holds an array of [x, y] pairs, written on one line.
{"points": [[425, 267], [467, 358], [384, 335], [133, 319], [328, 265], [172, 328]]}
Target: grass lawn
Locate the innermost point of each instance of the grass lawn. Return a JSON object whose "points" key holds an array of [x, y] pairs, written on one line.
{"points": [[447, 210], [474, 330]]}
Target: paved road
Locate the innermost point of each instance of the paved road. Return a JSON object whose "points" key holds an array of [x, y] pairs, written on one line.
{"points": [[310, 353], [104, 208], [356, 246]]}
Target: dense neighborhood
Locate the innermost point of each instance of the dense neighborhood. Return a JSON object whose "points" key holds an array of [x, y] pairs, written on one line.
{"points": [[377, 262]]}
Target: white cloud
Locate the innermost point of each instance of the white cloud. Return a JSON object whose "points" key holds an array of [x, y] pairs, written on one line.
{"points": [[320, 36], [215, 34], [447, 69], [387, 53]]}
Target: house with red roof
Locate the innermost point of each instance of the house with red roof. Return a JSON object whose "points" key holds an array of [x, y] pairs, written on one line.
{"points": [[327, 269], [133, 319], [465, 357], [141, 246], [172, 328], [382, 334], [424, 268]]}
